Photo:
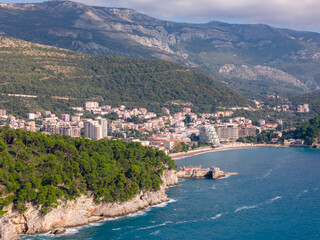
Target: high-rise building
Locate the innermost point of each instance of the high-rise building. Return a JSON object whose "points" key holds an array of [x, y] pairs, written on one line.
{"points": [[247, 131], [208, 134], [104, 126], [96, 129], [228, 132]]}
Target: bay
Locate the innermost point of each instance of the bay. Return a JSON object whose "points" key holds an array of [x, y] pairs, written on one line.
{"points": [[275, 196]]}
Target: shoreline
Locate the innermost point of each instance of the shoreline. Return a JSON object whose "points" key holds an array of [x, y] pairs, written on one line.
{"points": [[75, 229], [181, 155], [81, 212]]}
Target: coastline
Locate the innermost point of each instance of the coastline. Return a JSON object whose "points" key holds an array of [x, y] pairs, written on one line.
{"points": [[80, 212], [181, 155]]}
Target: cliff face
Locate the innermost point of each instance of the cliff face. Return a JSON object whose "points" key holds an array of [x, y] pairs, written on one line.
{"points": [[78, 212], [7, 231]]}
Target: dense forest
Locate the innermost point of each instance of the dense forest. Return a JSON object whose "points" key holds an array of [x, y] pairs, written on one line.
{"points": [[41, 169], [308, 131], [48, 72], [263, 137]]}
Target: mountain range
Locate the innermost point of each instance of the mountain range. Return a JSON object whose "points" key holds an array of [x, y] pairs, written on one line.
{"points": [[36, 77], [256, 60]]}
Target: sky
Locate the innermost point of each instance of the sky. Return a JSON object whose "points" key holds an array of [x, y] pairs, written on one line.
{"points": [[294, 14]]}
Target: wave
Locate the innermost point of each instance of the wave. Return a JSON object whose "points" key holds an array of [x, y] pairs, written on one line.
{"points": [[246, 207], [258, 205], [116, 229], [189, 221], [164, 204], [225, 177], [303, 192], [274, 199], [137, 214], [218, 215], [155, 232], [214, 187], [266, 174], [155, 226]]}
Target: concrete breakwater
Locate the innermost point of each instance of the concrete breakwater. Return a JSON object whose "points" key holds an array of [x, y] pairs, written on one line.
{"points": [[198, 172]]}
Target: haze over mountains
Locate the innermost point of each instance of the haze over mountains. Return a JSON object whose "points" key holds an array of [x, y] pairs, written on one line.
{"points": [[254, 59]]}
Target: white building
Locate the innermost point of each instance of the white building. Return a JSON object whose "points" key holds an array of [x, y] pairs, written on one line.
{"points": [[262, 122], [91, 105], [97, 129], [207, 133], [31, 116]]}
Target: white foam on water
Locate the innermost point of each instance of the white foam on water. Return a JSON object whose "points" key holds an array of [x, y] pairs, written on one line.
{"points": [[155, 226], [137, 214], [116, 229], [155, 232], [181, 222], [246, 207], [303, 192], [214, 187], [217, 216], [161, 205], [189, 221], [225, 177], [266, 174], [274, 199]]}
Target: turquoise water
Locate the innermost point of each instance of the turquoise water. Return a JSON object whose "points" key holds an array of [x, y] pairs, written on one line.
{"points": [[275, 196]]}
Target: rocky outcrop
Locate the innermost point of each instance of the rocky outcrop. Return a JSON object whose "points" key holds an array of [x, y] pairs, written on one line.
{"points": [[258, 72], [217, 173], [194, 173], [7, 231], [197, 172], [84, 210]]}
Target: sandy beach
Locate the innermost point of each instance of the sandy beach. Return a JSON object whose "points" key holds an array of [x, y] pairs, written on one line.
{"points": [[177, 156]]}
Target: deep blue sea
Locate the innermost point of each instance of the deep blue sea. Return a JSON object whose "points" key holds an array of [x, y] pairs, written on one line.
{"points": [[275, 196]]}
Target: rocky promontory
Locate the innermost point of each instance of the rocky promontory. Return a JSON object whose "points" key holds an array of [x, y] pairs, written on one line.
{"points": [[82, 211]]}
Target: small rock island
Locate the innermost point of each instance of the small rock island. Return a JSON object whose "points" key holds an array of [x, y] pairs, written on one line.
{"points": [[198, 172]]}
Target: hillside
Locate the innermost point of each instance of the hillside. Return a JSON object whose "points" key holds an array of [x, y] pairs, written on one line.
{"points": [[48, 73], [253, 59], [313, 99], [41, 169]]}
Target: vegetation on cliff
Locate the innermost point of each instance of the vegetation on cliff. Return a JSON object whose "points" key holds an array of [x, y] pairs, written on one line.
{"points": [[59, 77], [308, 131], [41, 169]]}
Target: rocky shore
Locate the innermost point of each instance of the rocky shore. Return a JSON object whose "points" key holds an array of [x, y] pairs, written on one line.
{"points": [[78, 212]]}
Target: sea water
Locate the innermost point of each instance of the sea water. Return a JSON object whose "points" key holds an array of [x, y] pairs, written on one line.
{"points": [[275, 196]]}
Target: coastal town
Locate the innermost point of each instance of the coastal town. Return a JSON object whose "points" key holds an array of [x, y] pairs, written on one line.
{"points": [[171, 133]]}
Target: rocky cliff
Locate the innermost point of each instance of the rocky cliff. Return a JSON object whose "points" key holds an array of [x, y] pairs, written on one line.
{"points": [[81, 211]]}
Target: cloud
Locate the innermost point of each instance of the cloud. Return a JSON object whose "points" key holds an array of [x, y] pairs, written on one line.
{"points": [[299, 14]]}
